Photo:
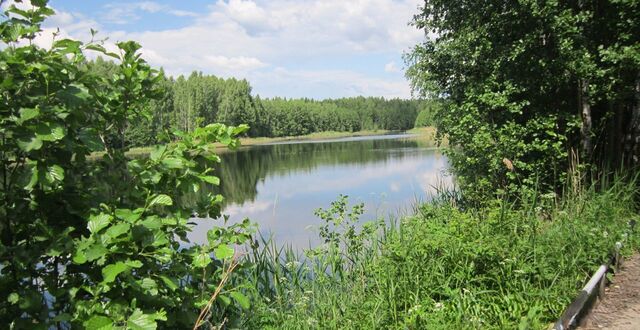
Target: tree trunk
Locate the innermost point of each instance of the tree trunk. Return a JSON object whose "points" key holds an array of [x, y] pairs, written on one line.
{"points": [[587, 122], [633, 136]]}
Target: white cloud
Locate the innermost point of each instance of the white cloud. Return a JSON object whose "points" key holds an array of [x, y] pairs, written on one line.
{"points": [[391, 67], [259, 40], [124, 13], [182, 13], [343, 82], [240, 63], [149, 6]]}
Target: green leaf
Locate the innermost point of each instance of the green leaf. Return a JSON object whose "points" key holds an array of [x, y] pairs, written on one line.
{"points": [[134, 263], [150, 286], [96, 47], [58, 132], [226, 140], [54, 173], [95, 251], [50, 132], [157, 152], [240, 129], [127, 215], [53, 252], [201, 260], [117, 230], [210, 179], [39, 3], [242, 300], [223, 251], [29, 143], [173, 163], [170, 283], [152, 222], [225, 300], [91, 140], [66, 43], [13, 298], [140, 321], [101, 49], [98, 222], [31, 174], [67, 46], [161, 199], [74, 95], [27, 114], [79, 257], [98, 322], [110, 272]]}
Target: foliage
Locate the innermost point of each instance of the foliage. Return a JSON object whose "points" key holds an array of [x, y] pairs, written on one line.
{"points": [[100, 243], [499, 267], [543, 85], [427, 116]]}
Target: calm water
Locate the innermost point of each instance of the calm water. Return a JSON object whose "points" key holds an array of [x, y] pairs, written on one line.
{"points": [[279, 186]]}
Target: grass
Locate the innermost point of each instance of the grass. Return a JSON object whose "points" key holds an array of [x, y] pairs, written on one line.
{"points": [[425, 135], [514, 264]]}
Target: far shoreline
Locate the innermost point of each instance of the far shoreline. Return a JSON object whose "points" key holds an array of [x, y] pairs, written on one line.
{"points": [[425, 134]]}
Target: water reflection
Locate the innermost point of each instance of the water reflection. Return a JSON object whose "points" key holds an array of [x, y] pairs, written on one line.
{"points": [[279, 186]]}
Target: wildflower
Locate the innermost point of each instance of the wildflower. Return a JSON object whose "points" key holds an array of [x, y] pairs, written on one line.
{"points": [[415, 308]]}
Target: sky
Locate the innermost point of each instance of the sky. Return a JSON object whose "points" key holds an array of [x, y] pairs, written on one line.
{"points": [[303, 48]]}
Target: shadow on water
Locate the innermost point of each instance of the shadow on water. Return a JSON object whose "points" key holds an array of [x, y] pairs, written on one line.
{"points": [[279, 186]]}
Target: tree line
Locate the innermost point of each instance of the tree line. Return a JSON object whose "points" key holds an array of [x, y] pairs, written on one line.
{"points": [[198, 99]]}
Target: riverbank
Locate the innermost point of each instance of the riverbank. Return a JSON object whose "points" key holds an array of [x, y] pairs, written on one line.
{"points": [[504, 266], [426, 135]]}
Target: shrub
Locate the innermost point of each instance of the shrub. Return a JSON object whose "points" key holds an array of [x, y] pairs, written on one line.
{"points": [[100, 243]]}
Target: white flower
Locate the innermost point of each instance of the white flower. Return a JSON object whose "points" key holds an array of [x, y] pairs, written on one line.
{"points": [[415, 308]]}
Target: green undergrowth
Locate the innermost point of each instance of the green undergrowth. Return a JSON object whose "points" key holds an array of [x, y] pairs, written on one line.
{"points": [[509, 265]]}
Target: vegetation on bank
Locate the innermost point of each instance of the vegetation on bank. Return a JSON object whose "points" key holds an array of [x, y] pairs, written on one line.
{"points": [[515, 263]]}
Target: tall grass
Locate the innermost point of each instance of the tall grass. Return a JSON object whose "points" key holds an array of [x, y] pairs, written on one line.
{"points": [[515, 263]]}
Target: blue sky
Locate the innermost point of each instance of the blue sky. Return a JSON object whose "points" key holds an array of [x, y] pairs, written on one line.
{"points": [[305, 48]]}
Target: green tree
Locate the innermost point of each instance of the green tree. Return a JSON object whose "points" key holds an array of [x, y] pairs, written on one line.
{"points": [[236, 104], [531, 84]]}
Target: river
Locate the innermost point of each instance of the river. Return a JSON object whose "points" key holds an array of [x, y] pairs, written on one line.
{"points": [[278, 186]]}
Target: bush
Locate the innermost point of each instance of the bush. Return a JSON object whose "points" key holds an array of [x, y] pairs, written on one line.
{"points": [[101, 243]]}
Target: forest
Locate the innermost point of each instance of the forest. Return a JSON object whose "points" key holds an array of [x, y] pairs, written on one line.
{"points": [[198, 100], [539, 102]]}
